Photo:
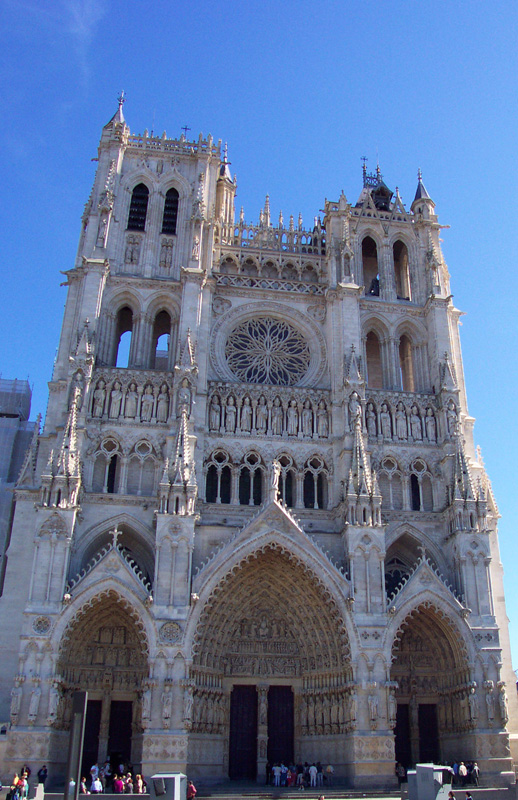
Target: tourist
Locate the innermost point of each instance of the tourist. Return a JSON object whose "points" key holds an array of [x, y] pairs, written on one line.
{"points": [[451, 796], [118, 784], [139, 786], [475, 774], [82, 787], [320, 774], [463, 773], [313, 775], [330, 771], [400, 773], [468, 796], [42, 774], [276, 774], [191, 790]]}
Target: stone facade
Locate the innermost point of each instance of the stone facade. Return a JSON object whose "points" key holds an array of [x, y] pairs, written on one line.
{"points": [[271, 506]]}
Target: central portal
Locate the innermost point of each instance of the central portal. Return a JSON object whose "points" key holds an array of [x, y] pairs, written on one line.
{"points": [[242, 761]]}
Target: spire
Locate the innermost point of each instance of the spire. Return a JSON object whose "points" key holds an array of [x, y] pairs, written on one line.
{"points": [[28, 470], [422, 198], [463, 486], [224, 170], [360, 478], [421, 193], [187, 358], [353, 375], [267, 220], [183, 488]]}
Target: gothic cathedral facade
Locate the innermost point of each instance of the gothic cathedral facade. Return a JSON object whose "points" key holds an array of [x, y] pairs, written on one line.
{"points": [[254, 526]]}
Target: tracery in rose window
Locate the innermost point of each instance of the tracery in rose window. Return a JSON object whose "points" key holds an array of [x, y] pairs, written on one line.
{"points": [[267, 350]]}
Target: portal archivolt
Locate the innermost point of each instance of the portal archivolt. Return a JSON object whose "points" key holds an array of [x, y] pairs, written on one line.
{"points": [[271, 617]]}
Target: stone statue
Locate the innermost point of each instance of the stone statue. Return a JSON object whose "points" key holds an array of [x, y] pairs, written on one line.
{"points": [[162, 406], [188, 702], [102, 230], [401, 426], [451, 418], [261, 416], [473, 704], [415, 424], [373, 706], [274, 479], [431, 428], [230, 416], [353, 706], [52, 712], [277, 415], [292, 418], [183, 398], [115, 401], [99, 398], [148, 401], [322, 421], [355, 409], [196, 249], [490, 705], [167, 705], [76, 391], [246, 416], [214, 413], [307, 419], [34, 703], [146, 704], [370, 417], [385, 421], [263, 707], [503, 704], [130, 410], [16, 699]]}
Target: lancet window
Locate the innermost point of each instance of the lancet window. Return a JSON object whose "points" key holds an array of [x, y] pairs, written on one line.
{"points": [[406, 364], [107, 468], [142, 467], [401, 271], [138, 208], [251, 478], [287, 481], [219, 478], [391, 485], [170, 216], [374, 362], [421, 492], [315, 483], [124, 331], [371, 276]]}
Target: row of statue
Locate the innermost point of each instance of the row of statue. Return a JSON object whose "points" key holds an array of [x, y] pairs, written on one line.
{"points": [[400, 422], [307, 419], [147, 403]]}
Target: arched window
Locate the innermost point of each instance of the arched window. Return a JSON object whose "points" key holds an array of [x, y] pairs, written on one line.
{"points": [[421, 493], [106, 472], [406, 364], [269, 270], [370, 267], [400, 253], [219, 478], [315, 483], [141, 470], [124, 331], [391, 486], [138, 208], [161, 342], [415, 494], [251, 481], [287, 481], [374, 368], [170, 212]]}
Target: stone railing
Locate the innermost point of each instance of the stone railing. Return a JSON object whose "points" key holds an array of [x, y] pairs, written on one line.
{"points": [[278, 284], [126, 395], [181, 145], [278, 411], [265, 237]]}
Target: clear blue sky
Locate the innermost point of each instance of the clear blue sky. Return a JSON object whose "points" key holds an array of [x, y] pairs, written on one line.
{"points": [[300, 90]]}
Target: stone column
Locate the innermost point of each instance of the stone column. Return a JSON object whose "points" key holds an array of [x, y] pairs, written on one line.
{"points": [[262, 731]]}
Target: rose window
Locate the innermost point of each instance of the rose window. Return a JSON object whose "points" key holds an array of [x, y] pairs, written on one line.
{"points": [[267, 350]]}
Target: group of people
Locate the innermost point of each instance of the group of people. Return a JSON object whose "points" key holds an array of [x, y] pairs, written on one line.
{"points": [[20, 783], [465, 773], [123, 781], [299, 775]]}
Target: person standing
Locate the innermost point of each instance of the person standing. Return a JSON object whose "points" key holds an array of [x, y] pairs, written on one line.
{"points": [[42, 774], [330, 771]]}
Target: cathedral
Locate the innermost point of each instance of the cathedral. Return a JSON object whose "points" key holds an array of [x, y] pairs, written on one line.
{"points": [[254, 525]]}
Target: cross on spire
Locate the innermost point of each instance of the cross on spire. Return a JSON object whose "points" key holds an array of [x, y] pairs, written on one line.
{"points": [[185, 129], [121, 98]]}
